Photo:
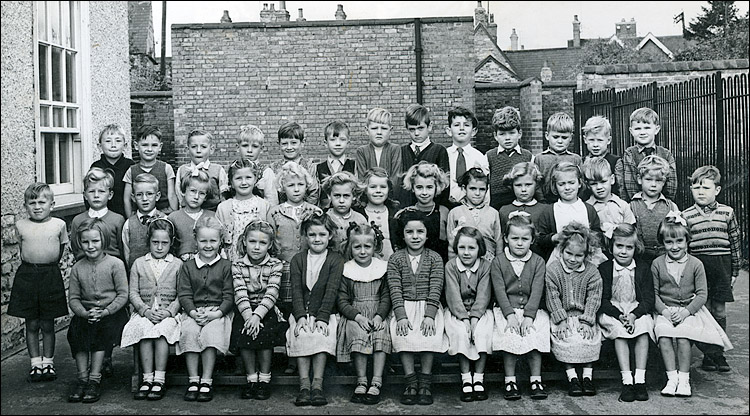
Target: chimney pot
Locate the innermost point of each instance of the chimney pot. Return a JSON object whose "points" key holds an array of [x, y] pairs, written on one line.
{"points": [[265, 6], [514, 40], [273, 7], [282, 5], [340, 14], [301, 18], [225, 18]]}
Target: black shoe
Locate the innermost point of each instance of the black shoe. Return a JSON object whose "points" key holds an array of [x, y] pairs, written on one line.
{"points": [[158, 390], [108, 369], [627, 393], [262, 391], [142, 392], [248, 391], [574, 387], [641, 393], [373, 395], [317, 398], [192, 395], [708, 364], [467, 396], [79, 390], [48, 373], [359, 397], [537, 391], [480, 395], [588, 387], [35, 375], [92, 392], [511, 391], [721, 363], [424, 397], [205, 396], [303, 398], [409, 396]]}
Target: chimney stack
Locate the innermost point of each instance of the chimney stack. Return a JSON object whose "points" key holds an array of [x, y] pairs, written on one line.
{"points": [[492, 28], [626, 30], [514, 40], [576, 32], [480, 16], [282, 5], [225, 18], [340, 15], [300, 18], [273, 15]]}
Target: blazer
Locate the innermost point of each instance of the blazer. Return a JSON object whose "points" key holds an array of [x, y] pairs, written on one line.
{"points": [[320, 301], [643, 289], [143, 285]]}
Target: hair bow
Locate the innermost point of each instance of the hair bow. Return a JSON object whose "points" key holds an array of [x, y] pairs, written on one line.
{"points": [[676, 217], [518, 214], [608, 228], [379, 237]]}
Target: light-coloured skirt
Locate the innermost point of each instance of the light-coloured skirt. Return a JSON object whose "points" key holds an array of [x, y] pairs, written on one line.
{"points": [[575, 349], [458, 338], [612, 328], [701, 327], [139, 328], [310, 343], [415, 341], [515, 343], [196, 338]]}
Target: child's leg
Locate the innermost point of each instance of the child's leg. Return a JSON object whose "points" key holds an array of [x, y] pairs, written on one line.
{"points": [[622, 350], [192, 360], [641, 357], [464, 365], [684, 355], [303, 367], [379, 359], [208, 360], [534, 359], [161, 354], [48, 335], [318, 367], [97, 359], [32, 339], [407, 361], [467, 385], [479, 365], [425, 378], [263, 362], [425, 359], [146, 350], [360, 365], [82, 365], [668, 355], [410, 392], [509, 368], [248, 358]]}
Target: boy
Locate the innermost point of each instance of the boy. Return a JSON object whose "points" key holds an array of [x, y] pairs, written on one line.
{"points": [[149, 146], [609, 207], [559, 135], [111, 142], [650, 206], [336, 136], [250, 144], [292, 141], [417, 120], [135, 231], [200, 147], [462, 127], [597, 134], [644, 125], [380, 152], [38, 294], [506, 125], [715, 240]]}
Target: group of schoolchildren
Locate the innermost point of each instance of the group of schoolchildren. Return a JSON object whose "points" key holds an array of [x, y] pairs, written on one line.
{"points": [[415, 249]]}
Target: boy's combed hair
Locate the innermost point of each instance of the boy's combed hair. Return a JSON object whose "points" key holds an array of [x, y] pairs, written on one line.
{"points": [[356, 229], [112, 129], [596, 169], [417, 114], [625, 230], [426, 170], [37, 190], [379, 115], [162, 224], [93, 224], [244, 164], [653, 163], [96, 175], [250, 134], [198, 132], [709, 172], [341, 178], [292, 169], [506, 118], [523, 169], [576, 232], [473, 173], [562, 167], [318, 219], [597, 125], [644, 115], [520, 219], [462, 112], [209, 222], [335, 129], [560, 122], [146, 178], [197, 176], [673, 227], [471, 232], [150, 130], [291, 130], [257, 225]]}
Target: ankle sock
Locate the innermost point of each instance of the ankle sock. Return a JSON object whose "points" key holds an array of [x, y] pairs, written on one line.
{"points": [[252, 378], [160, 376], [588, 372], [479, 378], [683, 377], [95, 378], [640, 375], [508, 379], [304, 383], [535, 378], [148, 377], [83, 376], [317, 383], [264, 377], [411, 379], [36, 362], [465, 378], [425, 380], [672, 375], [377, 381], [361, 385], [571, 373], [48, 361], [627, 377], [208, 381]]}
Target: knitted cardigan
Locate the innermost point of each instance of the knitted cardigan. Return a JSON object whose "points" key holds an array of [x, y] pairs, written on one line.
{"points": [[143, 286], [576, 291], [692, 291], [644, 294]]}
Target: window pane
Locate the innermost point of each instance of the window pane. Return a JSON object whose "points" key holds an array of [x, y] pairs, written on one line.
{"points": [[54, 15], [65, 23], [58, 116], [43, 87], [44, 116], [57, 68], [49, 157], [70, 76], [41, 21], [64, 158], [73, 16], [72, 118]]}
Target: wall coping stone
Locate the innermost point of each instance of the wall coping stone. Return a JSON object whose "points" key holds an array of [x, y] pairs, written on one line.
{"points": [[150, 94], [322, 23], [668, 66]]}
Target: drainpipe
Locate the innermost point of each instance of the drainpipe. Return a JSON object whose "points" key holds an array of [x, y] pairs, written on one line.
{"points": [[418, 55]]}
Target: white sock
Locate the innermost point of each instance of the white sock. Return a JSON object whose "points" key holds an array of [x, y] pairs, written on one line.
{"points": [[36, 362], [160, 376], [683, 377], [48, 361], [479, 378], [508, 379], [264, 377], [252, 378], [571, 373], [535, 378], [672, 375], [149, 377], [208, 381], [588, 372], [627, 377], [640, 376], [465, 378]]}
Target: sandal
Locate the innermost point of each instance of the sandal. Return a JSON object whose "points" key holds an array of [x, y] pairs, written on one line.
{"points": [[359, 397], [35, 375], [157, 391], [410, 395], [143, 391], [205, 393], [373, 395], [191, 394], [48, 373]]}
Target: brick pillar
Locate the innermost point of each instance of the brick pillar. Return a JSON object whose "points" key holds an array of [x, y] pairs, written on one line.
{"points": [[531, 116]]}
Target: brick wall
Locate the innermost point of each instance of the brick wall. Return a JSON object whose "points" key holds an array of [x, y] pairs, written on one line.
{"points": [[228, 75], [155, 108], [140, 28], [531, 115], [490, 97], [558, 97]]}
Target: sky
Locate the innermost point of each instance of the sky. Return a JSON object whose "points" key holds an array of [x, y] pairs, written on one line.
{"points": [[539, 24]]}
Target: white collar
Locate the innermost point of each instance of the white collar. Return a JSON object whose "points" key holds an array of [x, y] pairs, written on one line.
{"points": [[462, 268], [422, 145], [341, 159], [683, 260], [98, 214], [376, 270], [168, 258], [203, 165], [200, 263], [454, 149], [528, 204], [412, 258], [564, 152], [516, 149], [511, 258], [150, 214], [336, 214], [629, 267], [568, 270]]}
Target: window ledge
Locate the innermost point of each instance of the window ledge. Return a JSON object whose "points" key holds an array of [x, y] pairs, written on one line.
{"points": [[68, 205]]}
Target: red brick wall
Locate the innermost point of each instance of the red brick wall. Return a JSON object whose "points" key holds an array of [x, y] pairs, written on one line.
{"points": [[558, 99], [490, 97], [155, 108]]}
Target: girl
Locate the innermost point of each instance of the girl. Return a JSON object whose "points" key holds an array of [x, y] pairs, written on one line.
{"points": [[153, 296], [681, 314], [469, 324], [415, 281], [196, 188], [426, 180], [378, 208], [97, 295], [566, 182], [364, 303], [342, 189], [525, 180], [627, 299], [204, 288], [200, 146], [316, 274], [473, 212], [256, 278], [522, 328], [574, 293], [236, 212]]}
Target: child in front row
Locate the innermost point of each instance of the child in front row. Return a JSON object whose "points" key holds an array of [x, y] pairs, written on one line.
{"points": [[521, 326], [200, 147], [415, 281], [378, 208], [625, 312], [342, 190], [195, 189], [681, 314], [573, 295], [316, 275], [38, 293], [469, 322], [364, 303], [149, 146], [97, 295], [153, 324], [206, 294], [259, 327], [250, 143]]}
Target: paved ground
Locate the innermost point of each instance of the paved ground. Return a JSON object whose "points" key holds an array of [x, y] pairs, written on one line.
{"points": [[713, 393]]}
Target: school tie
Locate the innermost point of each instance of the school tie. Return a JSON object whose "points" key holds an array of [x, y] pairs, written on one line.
{"points": [[460, 164], [145, 219], [417, 151], [648, 151]]}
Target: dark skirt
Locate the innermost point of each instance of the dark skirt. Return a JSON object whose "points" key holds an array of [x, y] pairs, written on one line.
{"points": [[272, 333], [38, 292], [99, 336], [718, 277]]}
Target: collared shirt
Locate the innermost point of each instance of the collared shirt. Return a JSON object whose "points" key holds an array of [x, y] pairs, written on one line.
{"points": [[517, 262], [516, 149], [336, 163], [414, 260], [642, 149], [552, 152], [613, 210], [474, 159], [98, 214], [125, 237], [528, 204], [565, 267], [650, 204], [676, 267], [200, 263], [463, 269], [158, 266], [314, 265], [421, 146], [708, 208]]}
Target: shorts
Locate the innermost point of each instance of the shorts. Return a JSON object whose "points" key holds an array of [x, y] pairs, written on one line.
{"points": [[38, 292], [718, 277]]}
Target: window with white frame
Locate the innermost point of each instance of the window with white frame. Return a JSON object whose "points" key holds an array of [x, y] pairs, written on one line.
{"points": [[58, 86]]}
